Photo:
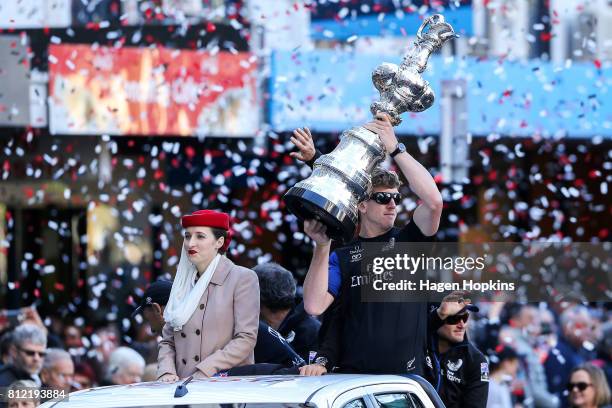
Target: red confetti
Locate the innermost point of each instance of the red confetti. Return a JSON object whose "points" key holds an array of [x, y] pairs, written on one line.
{"points": [[545, 36]]}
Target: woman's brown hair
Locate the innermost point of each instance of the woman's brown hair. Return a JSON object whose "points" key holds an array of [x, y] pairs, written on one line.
{"points": [[218, 233], [600, 384]]}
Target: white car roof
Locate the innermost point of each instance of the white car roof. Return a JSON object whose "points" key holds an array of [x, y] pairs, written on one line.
{"points": [[218, 390]]}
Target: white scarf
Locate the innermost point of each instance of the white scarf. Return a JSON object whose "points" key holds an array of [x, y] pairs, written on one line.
{"points": [[185, 296]]}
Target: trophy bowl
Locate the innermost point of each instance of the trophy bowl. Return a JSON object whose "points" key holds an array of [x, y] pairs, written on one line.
{"points": [[338, 183]]}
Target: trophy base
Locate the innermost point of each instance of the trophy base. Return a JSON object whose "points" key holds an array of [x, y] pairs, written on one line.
{"points": [[307, 205]]}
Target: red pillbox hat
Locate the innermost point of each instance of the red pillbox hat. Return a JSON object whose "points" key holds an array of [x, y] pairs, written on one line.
{"points": [[212, 219], [207, 218]]}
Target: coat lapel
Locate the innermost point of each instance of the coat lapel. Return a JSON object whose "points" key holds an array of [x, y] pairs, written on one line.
{"points": [[223, 269]]}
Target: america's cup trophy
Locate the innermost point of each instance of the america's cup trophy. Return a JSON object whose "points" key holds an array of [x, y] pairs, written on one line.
{"points": [[341, 179]]}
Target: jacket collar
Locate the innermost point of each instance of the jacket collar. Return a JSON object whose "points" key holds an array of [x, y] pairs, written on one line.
{"points": [[223, 269], [465, 342]]}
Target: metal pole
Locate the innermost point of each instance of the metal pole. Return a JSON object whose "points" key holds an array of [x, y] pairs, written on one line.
{"points": [[454, 138]]}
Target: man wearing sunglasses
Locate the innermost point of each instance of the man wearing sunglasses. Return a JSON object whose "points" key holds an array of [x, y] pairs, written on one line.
{"points": [[460, 370], [27, 352], [360, 325]]}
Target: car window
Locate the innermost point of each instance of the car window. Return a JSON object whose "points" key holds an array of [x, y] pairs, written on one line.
{"points": [[398, 400], [356, 403]]}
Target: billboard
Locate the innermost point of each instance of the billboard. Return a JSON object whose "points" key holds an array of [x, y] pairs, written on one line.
{"points": [[151, 91], [330, 91]]}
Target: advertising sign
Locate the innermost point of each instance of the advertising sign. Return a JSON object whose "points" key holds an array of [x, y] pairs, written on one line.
{"points": [[151, 91]]}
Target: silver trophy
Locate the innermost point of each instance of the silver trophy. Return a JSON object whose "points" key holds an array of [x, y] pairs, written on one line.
{"points": [[341, 179]]}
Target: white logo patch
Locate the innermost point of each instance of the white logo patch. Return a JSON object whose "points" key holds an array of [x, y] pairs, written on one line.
{"points": [[428, 362], [410, 364], [454, 366]]}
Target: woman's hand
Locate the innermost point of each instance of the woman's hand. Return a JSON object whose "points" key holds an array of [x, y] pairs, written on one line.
{"points": [[312, 370], [168, 378], [302, 139], [317, 231]]}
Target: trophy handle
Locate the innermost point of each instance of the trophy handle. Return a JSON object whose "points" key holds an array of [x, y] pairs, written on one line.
{"points": [[436, 19]]}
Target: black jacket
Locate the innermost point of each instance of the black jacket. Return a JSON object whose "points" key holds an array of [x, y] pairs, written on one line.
{"points": [[301, 331], [461, 374], [373, 337], [9, 374], [272, 348]]}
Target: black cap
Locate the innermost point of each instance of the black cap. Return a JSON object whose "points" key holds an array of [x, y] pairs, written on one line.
{"points": [[157, 292], [502, 352], [471, 308]]}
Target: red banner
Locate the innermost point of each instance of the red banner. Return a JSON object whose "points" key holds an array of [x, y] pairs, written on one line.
{"points": [[151, 91]]}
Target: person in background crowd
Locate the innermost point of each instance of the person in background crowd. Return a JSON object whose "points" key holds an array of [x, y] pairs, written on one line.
{"points": [[27, 351], [212, 314], [522, 335], [605, 351], [22, 385], [278, 309], [125, 366], [504, 365], [588, 387], [104, 340], [84, 376], [72, 337], [5, 346], [575, 346], [58, 370]]}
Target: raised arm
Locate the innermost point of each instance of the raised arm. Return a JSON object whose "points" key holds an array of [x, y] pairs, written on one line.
{"points": [[427, 215], [316, 295]]}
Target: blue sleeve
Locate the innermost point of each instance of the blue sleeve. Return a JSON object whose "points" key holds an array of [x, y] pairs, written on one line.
{"points": [[334, 279]]}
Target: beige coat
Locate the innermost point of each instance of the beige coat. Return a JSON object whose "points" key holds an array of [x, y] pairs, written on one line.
{"points": [[222, 331]]}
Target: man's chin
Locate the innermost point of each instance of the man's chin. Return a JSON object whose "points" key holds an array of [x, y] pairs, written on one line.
{"points": [[390, 224]]}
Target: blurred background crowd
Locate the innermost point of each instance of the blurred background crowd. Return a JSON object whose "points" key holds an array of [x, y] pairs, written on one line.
{"points": [[119, 116]]}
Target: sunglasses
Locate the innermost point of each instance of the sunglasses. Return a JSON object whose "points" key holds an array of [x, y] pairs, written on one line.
{"points": [[384, 198], [32, 353], [457, 318], [580, 385]]}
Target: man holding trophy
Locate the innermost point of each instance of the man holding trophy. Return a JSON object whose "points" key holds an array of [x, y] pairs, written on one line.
{"points": [[323, 282], [347, 188]]}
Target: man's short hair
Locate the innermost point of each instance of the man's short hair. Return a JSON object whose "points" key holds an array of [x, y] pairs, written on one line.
{"points": [[121, 358], [385, 178], [5, 344], [31, 333], [276, 286], [54, 355]]}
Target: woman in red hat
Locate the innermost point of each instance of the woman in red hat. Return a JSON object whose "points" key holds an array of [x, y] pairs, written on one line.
{"points": [[212, 314]]}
